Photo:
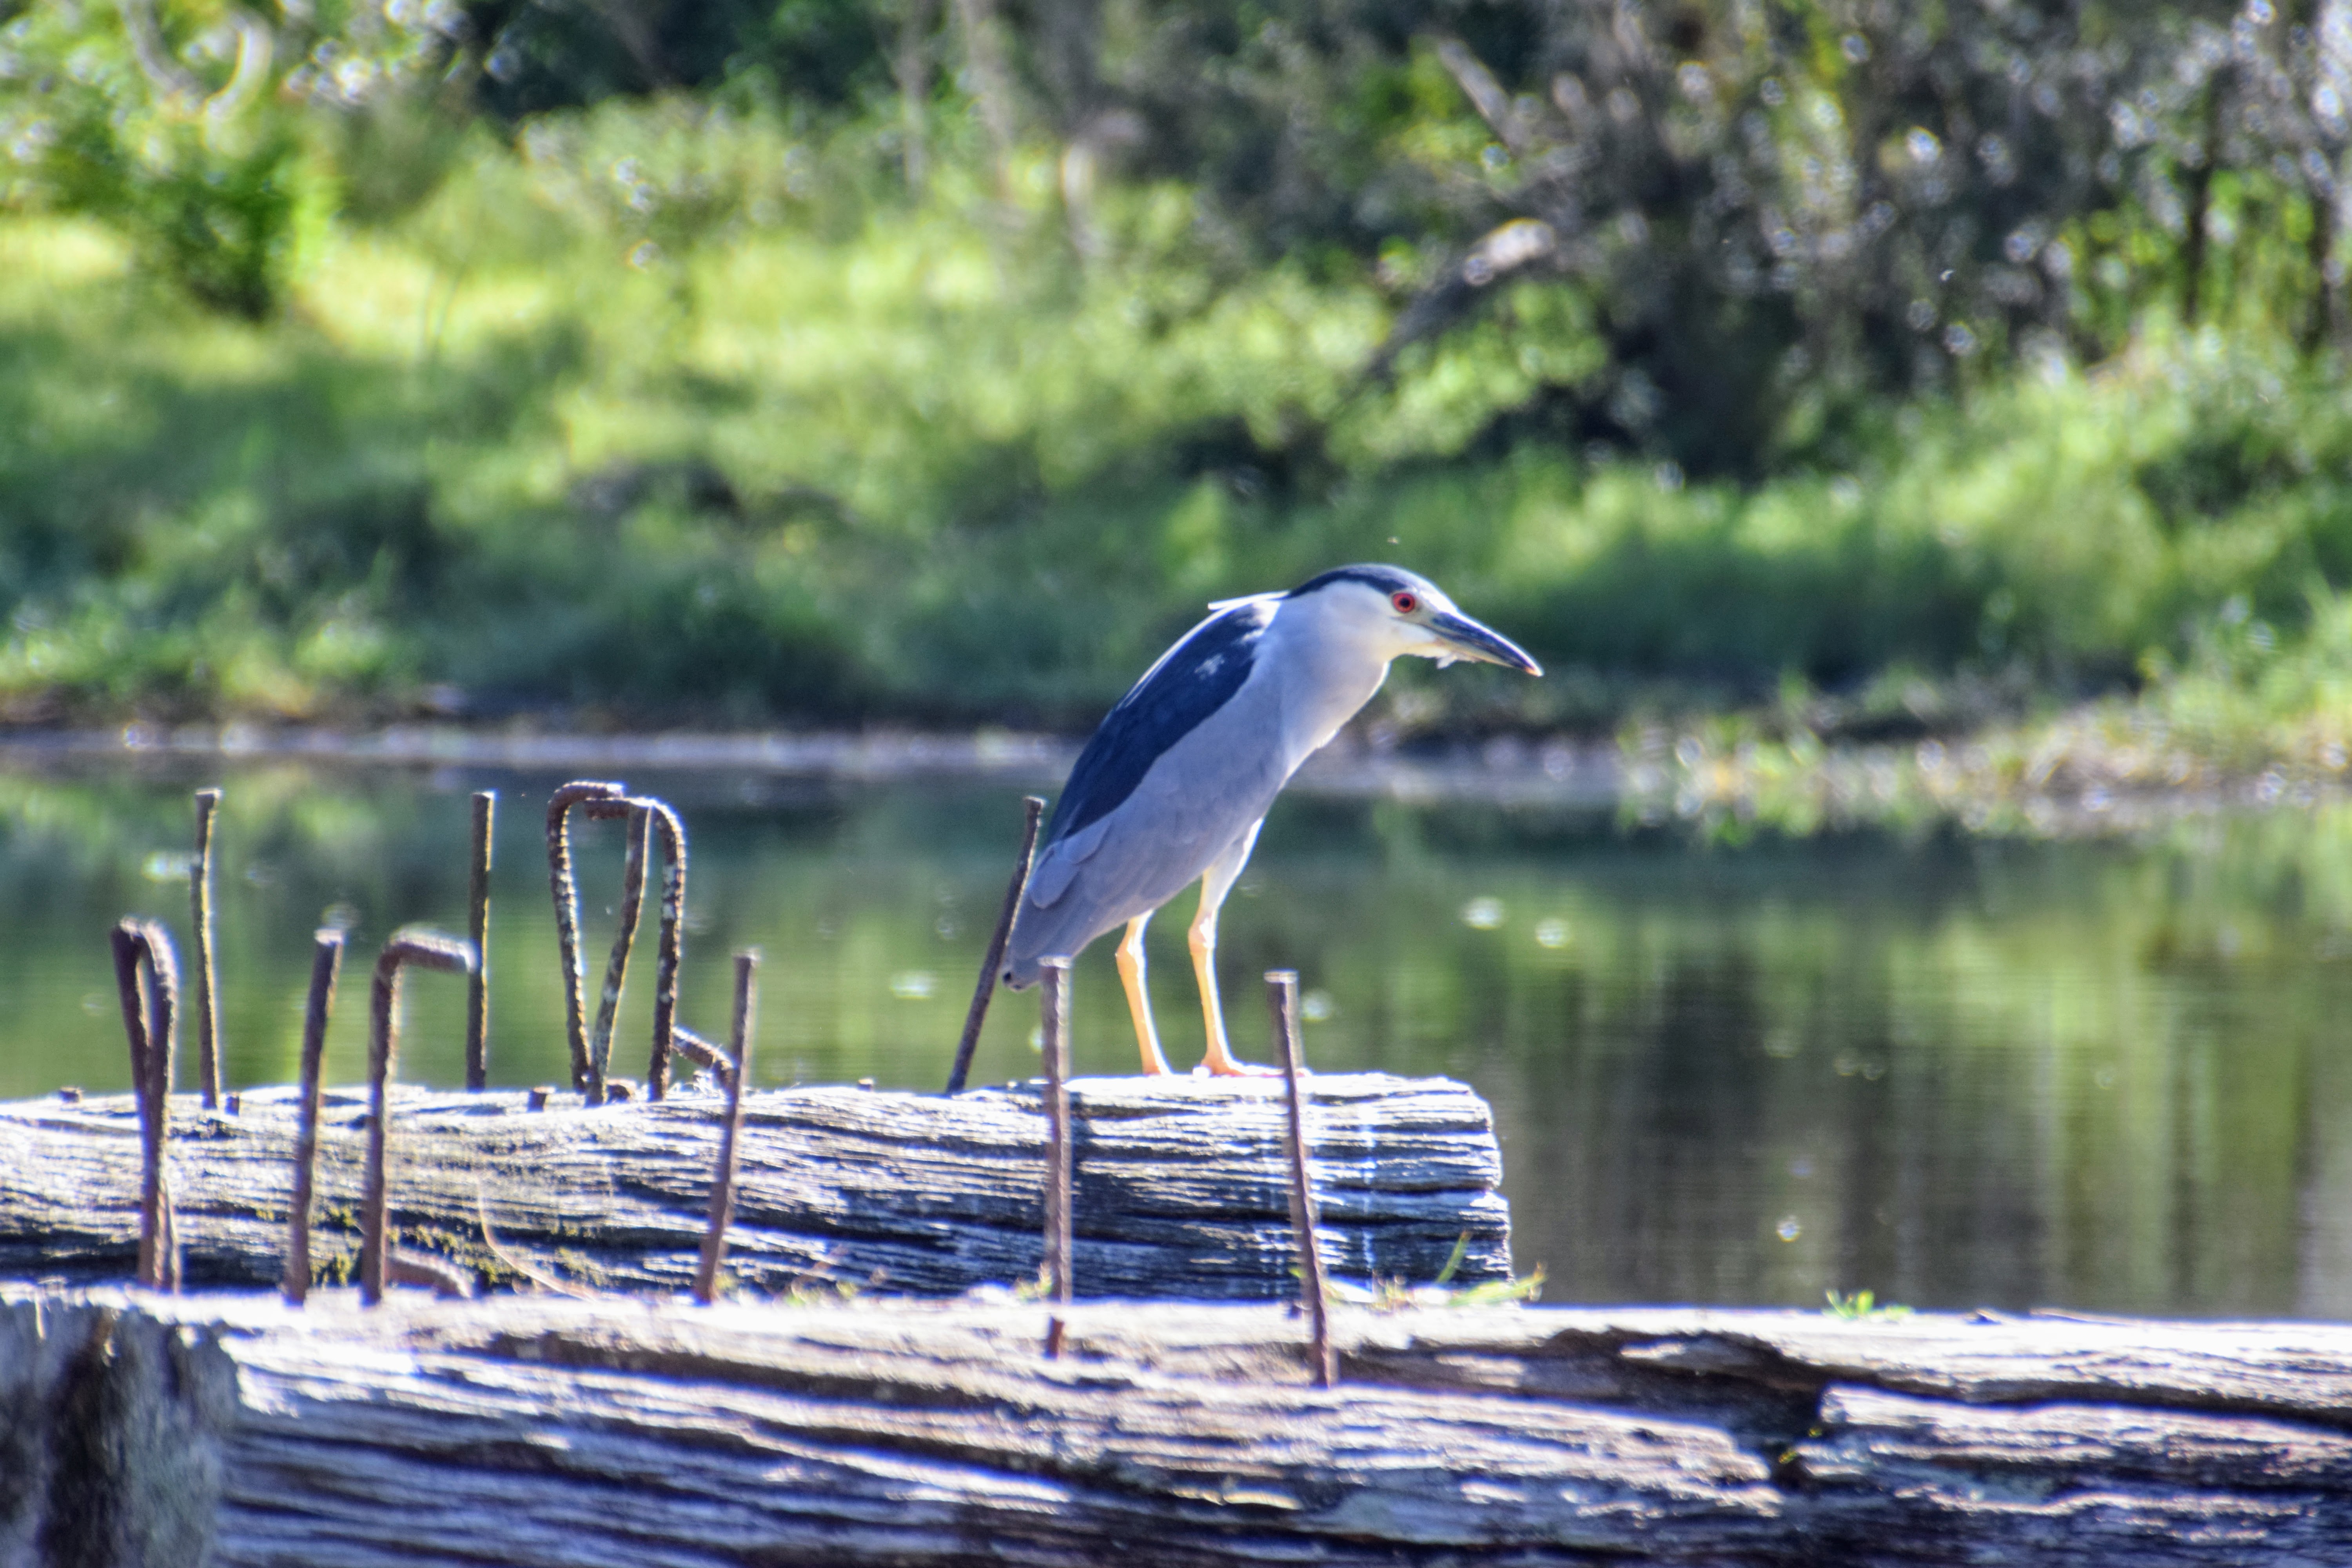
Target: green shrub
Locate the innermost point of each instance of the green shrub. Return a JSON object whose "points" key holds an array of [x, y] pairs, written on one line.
{"points": [[207, 190]]}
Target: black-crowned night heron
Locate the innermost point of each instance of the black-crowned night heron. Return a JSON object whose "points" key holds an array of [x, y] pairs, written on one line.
{"points": [[1176, 783]]}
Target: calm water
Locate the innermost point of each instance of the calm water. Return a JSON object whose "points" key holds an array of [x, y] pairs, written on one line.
{"points": [[2107, 1075]]}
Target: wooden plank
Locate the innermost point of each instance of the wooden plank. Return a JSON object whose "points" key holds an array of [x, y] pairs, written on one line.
{"points": [[2300, 1370], [576, 1433], [1181, 1188]]}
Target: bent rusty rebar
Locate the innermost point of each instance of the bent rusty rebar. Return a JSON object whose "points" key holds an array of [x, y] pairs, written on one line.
{"points": [[205, 1003], [151, 1019], [592, 1043], [673, 943], [1281, 996], [1033, 809], [441, 1278], [702, 1054], [1056, 1004], [478, 928], [566, 893], [326, 961], [722, 1179], [426, 950], [625, 935]]}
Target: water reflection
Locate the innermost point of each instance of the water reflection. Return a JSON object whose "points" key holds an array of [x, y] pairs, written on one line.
{"points": [[2108, 1076]]}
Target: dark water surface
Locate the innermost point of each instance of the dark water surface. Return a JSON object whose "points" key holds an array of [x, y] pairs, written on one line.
{"points": [[2108, 1076]]}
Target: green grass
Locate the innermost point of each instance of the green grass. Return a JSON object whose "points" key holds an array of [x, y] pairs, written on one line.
{"points": [[1861, 1307], [658, 417]]}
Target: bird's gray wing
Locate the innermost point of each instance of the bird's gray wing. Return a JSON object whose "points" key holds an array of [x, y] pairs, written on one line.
{"points": [[1190, 685], [1204, 792], [1184, 807]]}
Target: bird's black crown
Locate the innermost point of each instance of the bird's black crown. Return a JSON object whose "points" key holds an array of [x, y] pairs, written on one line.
{"points": [[1382, 579]]}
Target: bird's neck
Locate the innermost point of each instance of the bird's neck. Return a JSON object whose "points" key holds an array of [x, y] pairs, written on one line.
{"points": [[1332, 673]]}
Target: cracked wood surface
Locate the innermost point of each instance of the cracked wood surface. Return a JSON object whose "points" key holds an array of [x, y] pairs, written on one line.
{"points": [[569, 1433], [1180, 1186]]}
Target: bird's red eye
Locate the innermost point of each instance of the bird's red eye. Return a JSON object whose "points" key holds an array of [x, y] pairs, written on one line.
{"points": [[1405, 603]]}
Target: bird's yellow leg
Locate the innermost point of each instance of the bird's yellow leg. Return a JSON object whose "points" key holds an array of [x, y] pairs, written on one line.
{"points": [[1138, 1000], [1203, 938]]}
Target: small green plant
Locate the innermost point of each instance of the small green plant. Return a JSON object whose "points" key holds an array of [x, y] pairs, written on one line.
{"points": [[1395, 1295], [1862, 1306], [1527, 1287], [816, 1293]]}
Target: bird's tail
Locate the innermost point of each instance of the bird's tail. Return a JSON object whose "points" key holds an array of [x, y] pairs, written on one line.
{"points": [[1038, 934]]}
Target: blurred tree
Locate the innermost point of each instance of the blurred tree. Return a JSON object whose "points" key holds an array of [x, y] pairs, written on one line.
{"points": [[174, 137], [1776, 215], [1787, 212]]}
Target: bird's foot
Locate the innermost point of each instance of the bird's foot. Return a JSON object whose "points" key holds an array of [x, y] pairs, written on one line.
{"points": [[1230, 1067]]}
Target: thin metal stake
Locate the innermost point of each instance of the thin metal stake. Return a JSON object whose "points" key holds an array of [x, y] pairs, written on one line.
{"points": [[426, 950], [150, 1017], [478, 927], [1033, 807], [616, 967], [567, 912], [1056, 1005], [207, 999], [163, 1060], [326, 959], [723, 1180], [673, 944], [129, 940], [1282, 993]]}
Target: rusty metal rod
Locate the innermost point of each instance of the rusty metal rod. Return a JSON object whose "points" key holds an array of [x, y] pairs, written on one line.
{"points": [[723, 1180], [139, 1024], [672, 832], [1033, 809], [701, 1053], [162, 970], [1282, 994], [426, 950], [207, 1002], [1056, 1007], [414, 1268], [478, 928], [624, 936], [150, 1020], [326, 962], [566, 893]]}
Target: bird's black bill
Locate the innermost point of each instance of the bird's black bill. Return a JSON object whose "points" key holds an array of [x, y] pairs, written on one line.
{"points": [[1474, 641]]}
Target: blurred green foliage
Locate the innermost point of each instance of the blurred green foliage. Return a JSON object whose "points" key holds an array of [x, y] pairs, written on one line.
{"points": [[202, 182], [1877, 369]]}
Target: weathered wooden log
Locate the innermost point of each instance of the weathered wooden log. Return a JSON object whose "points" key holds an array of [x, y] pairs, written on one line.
{"points": [[143, 1428], [1180, 1186]]}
